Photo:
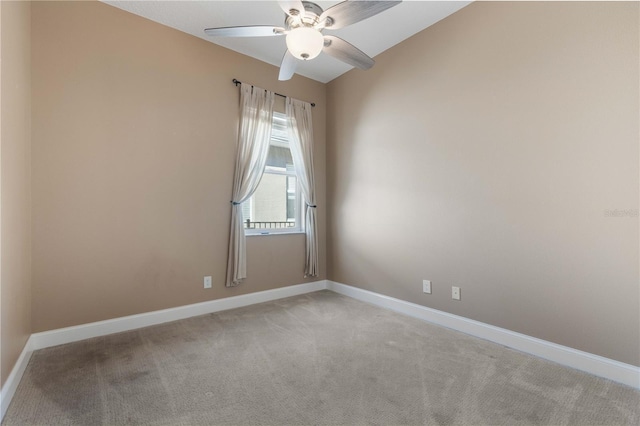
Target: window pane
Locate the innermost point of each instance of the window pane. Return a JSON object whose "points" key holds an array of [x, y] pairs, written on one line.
{"points": [[275, 203], [272, 206], [291, 198], [279, 157]]}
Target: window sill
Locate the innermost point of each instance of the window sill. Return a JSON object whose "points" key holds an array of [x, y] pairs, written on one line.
{"points": [[262, 234]]}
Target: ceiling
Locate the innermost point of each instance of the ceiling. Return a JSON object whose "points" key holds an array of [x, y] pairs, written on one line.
{"points": [[373, 36]]}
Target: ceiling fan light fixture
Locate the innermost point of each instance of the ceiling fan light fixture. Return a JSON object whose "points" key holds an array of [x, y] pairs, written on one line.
{"points": [[305, 42]]}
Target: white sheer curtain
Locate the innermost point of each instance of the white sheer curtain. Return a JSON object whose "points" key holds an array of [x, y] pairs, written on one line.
{"points": [[301, 142], [254, 135]]}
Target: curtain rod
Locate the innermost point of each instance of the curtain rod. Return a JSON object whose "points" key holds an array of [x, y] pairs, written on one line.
{"points": [[236, 82]]}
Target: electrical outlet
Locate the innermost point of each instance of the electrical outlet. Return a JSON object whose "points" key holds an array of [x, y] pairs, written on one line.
{"points": [[455, 293], [207, 282], [426, 286]]}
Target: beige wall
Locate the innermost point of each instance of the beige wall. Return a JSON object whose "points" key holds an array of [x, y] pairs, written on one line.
{"points": [[134, 128], [15, 177], [483, 153]]}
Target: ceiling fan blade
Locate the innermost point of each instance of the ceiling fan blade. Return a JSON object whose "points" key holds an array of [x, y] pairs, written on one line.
{"points": [[288, 66], [248, 31], [346, 52], [289, 5], [350, 12]]}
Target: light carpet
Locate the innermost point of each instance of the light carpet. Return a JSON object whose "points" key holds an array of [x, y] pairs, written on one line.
{"points": [[320, 358]]}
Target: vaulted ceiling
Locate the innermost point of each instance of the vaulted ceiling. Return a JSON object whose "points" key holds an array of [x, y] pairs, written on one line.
{"points": [[373, 36]]}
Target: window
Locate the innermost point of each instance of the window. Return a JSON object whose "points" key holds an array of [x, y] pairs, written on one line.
{"points": [[276, 205]]}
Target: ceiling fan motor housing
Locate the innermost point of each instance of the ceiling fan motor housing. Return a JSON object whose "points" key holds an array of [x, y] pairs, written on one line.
{"points": [[308, 18]]}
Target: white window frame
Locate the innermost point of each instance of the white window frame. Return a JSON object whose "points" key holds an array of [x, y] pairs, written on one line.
{"points": [[279, 171]]}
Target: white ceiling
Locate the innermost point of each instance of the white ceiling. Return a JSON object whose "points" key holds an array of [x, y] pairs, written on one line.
{"points": [[373, 36]]}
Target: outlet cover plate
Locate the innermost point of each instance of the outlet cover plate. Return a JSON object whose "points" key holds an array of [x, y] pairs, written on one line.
{"points": [[455, 293], [207, 282], [426, 286]]}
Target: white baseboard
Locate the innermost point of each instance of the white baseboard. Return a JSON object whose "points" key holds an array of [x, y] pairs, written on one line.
{"points": [[61, 336], [13, 380], [584, 361], [593, 364]]}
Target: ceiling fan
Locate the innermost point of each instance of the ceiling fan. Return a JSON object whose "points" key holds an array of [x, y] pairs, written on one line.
{"points": [[303, 26]]}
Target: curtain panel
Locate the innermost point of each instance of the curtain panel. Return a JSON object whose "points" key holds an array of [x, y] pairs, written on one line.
{"points": [[301, 142], [254, 135]]}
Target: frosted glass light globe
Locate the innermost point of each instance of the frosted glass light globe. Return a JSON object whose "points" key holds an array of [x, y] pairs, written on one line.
{"points": [[305, 43]]}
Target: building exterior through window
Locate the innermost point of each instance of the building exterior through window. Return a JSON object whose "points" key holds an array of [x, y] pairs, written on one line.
{"points": [[275, 206]]}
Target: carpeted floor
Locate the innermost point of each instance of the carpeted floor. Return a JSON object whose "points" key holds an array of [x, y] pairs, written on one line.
{"points": [[320, 358]]}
